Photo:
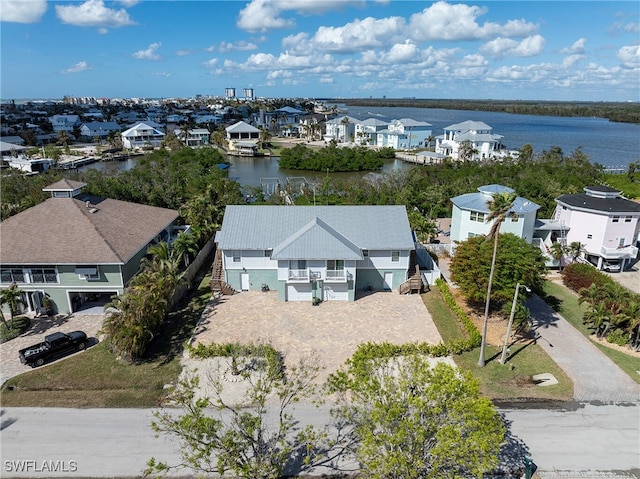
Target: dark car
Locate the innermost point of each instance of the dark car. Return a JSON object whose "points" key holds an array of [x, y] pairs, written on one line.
{"points": [[54, 345]]}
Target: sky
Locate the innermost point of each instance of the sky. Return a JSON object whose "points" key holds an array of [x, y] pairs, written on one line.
{"points": [[513, 50]]}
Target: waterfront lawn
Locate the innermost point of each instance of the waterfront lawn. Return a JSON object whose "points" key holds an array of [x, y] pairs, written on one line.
{"points": [[510, 382], [95, 378], [565, 302]]}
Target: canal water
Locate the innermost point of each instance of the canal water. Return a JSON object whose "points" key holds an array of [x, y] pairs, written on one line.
{"points": [[613, 145]]}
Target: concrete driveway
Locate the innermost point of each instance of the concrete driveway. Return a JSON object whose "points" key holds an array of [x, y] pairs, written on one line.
{"points": [[10, 365], [331, 331]]}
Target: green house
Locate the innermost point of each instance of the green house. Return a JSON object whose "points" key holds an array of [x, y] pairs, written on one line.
{"points": [[78, 250]]}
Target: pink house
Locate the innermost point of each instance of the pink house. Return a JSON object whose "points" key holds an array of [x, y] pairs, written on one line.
{"points": [[605, 223]]}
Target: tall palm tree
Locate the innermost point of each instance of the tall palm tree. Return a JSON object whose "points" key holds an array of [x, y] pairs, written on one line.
{"points": [[12, 297], [499, 208], [345, 124]]}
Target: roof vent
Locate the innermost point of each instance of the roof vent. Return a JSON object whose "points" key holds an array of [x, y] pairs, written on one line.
{"points": [[93, 210], [87, 203]]}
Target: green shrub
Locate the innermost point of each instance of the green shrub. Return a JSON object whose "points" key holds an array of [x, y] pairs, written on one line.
{"points": [[275, 363], [619, 337], [20, 325]]}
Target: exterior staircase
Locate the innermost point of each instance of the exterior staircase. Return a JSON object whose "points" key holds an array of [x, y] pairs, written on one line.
{"points": [[218, 284], [414, 284]]}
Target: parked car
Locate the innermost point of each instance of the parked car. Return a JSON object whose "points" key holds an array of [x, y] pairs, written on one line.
{"points": [[611, 267], [55, 344]]}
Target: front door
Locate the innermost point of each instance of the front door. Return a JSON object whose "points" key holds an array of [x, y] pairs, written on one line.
{"points": [[244, 281], [388, 281]]}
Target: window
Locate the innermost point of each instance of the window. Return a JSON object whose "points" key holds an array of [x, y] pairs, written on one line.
{"points": [[627, 219], [395, 256], [44, 275], [88, 272], [476, 216], [267, 253], [621, 242], [335, 264], [365, 253], [589, 236], [236, 256], [12, 276], [473, 235], [615, 219], [515, 219]]}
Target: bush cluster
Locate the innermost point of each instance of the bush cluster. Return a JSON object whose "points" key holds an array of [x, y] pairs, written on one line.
{"points": [[580, 275], [334, 159]]}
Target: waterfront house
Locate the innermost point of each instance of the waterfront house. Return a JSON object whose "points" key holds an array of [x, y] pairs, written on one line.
{"points": [[606, 224], [142, 135], [367, 130], [470, 211], [194, 137], [7, 150], [477, 133], [404, 134], [74, 248], [305, 252], [242, 138], [341, 129]]}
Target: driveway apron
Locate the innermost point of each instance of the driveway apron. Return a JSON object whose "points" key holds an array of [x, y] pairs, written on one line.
{"points": [[595, 377]]}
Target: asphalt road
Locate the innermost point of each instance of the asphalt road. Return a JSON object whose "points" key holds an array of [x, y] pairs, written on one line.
{"points": [[118, 442]]}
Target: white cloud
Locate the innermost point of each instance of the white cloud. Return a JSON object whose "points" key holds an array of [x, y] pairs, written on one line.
{"points": [[402, 53], [630, 56], [577, 47], [265, 15], [359, 34], [443, 21], [210, 63], [21, 11], [571, 60], [149, 53], [128, 3], [527, 47], [261, 16], [93, 13], [78, 67], [240, 45], [161, 74], [185, 52]]}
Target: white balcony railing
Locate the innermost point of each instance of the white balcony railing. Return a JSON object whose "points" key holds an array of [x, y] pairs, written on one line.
{"points": [[626, 252], [299, 275], [336, 275]]}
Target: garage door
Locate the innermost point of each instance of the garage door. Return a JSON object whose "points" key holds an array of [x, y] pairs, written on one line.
{"points": [[299, 292], [336, 292]]}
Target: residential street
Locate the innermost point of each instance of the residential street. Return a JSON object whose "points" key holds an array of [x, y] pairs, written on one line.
{"points": [[118, 442]]}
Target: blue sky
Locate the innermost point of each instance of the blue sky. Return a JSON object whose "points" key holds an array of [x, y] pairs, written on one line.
{"points": [[548, 50]]}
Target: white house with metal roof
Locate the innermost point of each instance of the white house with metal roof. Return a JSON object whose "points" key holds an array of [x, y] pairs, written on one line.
{"points": [[477, 133], [243, 139], [604, 222], [471, 210], [404, 134], [306, 252], [142, 135]]}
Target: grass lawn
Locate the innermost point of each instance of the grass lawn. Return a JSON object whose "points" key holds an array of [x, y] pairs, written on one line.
{"points": [[502, 382], [565, 301], [96, 378]]}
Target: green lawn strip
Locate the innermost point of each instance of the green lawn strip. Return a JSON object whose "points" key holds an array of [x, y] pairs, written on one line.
{"points": [[95, 378], [497, 381], [572, 311], [513, 380], [444, 319]]}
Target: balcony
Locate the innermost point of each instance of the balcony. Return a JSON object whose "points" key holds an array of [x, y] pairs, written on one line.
{"points": [[300, 275], [619, 253], [335, 276]]}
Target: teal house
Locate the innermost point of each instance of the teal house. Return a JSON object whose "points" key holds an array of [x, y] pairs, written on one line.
{"points": [[78, 250], [307, 252]]}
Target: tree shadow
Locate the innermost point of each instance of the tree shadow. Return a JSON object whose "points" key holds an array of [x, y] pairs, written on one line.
{"points": [[41, 324], [542, 316], [512, 455]]}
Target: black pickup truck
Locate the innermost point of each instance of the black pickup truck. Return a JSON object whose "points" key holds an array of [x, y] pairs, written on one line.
{"points": [[55, 344]]}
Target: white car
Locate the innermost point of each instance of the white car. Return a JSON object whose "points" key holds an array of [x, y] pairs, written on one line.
{"points": [[611, 267]]}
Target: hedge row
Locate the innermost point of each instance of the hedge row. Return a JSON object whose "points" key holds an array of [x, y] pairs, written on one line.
{"points": [[275, 363], [475, 337]]}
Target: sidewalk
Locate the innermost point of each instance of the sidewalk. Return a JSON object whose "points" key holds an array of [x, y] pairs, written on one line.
{"points": [[595, 377]]}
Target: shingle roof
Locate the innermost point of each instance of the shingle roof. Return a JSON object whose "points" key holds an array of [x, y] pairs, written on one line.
{"points": [[65, 185], [267, 227], [605, 205], [66, 231]]}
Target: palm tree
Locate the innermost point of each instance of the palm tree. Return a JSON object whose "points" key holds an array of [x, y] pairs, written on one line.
{"points": [[185, 246], [575, 248], [499, 208], [345, 123], [12, 297], [557, 252]]}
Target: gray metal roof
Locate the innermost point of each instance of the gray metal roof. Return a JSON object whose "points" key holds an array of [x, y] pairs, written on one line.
{"points": [[480, 201], [289, 229]]}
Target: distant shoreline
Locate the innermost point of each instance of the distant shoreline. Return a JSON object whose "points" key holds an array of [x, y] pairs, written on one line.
{"points": [[623, 112]]}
